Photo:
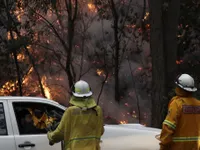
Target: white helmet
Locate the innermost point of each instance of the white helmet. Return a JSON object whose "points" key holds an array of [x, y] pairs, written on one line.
{"points": [[186, 82], [81, 89]]}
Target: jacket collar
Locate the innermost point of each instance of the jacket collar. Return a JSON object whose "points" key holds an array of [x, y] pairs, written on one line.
{"points": [[182, 93]]}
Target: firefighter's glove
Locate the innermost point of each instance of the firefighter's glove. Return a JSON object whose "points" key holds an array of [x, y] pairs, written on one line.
{"points": [[51, 144], [49, 137]]}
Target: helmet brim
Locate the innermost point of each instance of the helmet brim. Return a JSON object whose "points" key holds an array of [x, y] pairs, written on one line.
{"points": [[194, 89], [83, 95]]}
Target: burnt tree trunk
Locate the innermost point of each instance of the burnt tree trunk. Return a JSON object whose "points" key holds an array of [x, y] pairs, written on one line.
{"points": [[72, 15], [70, 42], [117, 49], [170, 24], [17, 68], [164, 22], [9, 28]]}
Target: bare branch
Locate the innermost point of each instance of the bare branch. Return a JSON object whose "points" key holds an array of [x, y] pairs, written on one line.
{"points": [[53, 28]]}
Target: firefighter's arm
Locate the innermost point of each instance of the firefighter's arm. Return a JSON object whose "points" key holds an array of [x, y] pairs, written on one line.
{"points": [[58, 135], [101, 122], [169, 125]]}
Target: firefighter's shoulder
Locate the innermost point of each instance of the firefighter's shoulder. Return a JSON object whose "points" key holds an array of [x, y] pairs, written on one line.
{"points": [[172, 100], [175, 101]]}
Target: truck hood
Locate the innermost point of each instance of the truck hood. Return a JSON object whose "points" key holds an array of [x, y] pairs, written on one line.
{"points": [[130, 136]]}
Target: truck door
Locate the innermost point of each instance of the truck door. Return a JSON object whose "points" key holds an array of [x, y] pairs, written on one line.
{"points": [[7, 141], [29, 134]]}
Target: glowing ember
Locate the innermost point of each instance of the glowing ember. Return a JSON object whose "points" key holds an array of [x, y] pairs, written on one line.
{"points": [[146, 15], [92, 7], [9, 36], [131, 26], [20, 57], [46, 89], [100, 72], [123, 122], [179, 62]]}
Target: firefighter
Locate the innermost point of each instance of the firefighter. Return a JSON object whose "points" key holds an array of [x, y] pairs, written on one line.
{"points": [[81, 126], [180, 130]]}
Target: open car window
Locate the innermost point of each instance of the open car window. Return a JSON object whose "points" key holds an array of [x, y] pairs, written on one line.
{"points": [[35, 117]]}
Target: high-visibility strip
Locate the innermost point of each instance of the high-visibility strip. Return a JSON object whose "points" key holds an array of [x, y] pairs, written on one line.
{"points": [[186, 139], [172, 125]]}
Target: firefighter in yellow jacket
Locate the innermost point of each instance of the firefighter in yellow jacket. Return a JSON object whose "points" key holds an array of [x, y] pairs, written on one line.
{"points": [[81, 126], [181, 127]]}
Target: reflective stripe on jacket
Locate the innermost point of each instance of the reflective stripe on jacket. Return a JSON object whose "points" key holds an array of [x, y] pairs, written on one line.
{"points": [[185, 139]]}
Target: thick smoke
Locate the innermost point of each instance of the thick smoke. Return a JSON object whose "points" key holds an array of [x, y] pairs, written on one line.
{"points": [[93, 49]]}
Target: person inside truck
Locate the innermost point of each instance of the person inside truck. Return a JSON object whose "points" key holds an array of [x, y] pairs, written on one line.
{"points": [[26, 125], [35, 119], [40, 119]]}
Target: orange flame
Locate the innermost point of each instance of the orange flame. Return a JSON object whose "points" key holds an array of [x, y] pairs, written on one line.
{"points": [[25, 80], [8, 88], [19, 12], [146, 15], [46, 89]]}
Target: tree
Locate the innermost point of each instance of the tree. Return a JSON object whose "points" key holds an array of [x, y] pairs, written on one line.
{"points": [[8, 25], [16, 43], [188, 40], [164, 22], [117, 47], [72, 11]]}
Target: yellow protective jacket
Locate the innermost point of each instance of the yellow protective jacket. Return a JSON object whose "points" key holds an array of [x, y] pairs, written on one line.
{"points": [[43, 122], [181, 127], [80, 128]]}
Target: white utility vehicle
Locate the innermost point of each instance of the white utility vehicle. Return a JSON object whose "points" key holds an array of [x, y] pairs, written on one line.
{"points": [[15, 134]]}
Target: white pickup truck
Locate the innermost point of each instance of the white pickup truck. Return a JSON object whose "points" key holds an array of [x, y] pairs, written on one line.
{"points": [[17, 134]]}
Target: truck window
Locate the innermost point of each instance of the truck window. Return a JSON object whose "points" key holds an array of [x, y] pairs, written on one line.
{"points": [[34, 117], [3, 128]]}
